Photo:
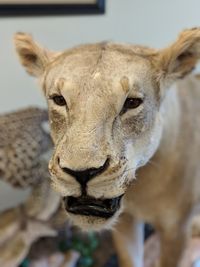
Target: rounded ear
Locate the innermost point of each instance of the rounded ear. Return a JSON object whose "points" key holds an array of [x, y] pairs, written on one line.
{"points": [[180, 58], [32, 56]]}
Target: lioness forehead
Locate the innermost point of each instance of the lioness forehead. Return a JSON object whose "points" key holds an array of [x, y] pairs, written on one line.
{"points": [[105, 61]]}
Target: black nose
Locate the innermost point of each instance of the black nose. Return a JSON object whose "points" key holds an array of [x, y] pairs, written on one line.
{"points": [[84, 176]]}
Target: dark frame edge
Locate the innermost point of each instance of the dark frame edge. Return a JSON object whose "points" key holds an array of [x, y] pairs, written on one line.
{"points": [[52, 9]]}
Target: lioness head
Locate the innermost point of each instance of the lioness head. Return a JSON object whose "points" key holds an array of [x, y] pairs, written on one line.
{"points": [[105, 114]]}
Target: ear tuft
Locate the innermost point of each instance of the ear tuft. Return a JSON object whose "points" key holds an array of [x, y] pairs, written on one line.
{"points": [[180, 58], [33, 57]]}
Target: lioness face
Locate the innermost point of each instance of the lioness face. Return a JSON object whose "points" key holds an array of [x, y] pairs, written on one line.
{"points": [[104, 106], [104, 120]]}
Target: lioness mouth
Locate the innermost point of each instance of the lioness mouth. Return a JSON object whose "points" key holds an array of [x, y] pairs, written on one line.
{"points": [[84, 205]]}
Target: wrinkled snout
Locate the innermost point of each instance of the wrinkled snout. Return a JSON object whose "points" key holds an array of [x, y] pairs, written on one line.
{"points": [[87, 172], [83, 176]]}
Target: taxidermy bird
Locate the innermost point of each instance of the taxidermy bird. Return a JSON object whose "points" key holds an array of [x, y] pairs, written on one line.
{"points": [[23, 144], [24, 147]]}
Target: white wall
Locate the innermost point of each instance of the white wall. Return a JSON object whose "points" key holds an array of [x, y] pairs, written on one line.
{"points": [[154, 23], [150, 22]]}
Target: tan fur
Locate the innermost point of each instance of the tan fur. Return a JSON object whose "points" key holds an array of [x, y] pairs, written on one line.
{"points": [[157, 143]]}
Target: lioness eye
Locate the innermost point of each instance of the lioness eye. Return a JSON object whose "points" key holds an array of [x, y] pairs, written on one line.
{"points": [[132, 103], [59, 100]]}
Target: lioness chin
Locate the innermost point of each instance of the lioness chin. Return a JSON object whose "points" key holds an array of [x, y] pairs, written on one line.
{"points": [[126, 137]]}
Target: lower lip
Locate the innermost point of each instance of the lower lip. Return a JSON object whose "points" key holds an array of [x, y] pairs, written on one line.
{"points": [[86, 206]]}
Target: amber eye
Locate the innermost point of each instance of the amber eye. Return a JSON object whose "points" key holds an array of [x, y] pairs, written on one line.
{"points": [[59, 100], [132, 103]]}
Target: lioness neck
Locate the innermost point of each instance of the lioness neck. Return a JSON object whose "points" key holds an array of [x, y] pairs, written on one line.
{"points": [[170, 114]]}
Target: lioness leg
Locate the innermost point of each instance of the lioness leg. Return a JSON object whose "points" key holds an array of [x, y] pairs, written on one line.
{"points": [[173, 245], [196, 226], [128, 239]]}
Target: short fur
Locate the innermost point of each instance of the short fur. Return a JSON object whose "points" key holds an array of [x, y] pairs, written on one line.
{"points": [[153, 150]]}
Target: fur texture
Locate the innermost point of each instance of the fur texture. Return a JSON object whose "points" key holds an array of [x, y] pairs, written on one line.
{"points": [[153, 149]]}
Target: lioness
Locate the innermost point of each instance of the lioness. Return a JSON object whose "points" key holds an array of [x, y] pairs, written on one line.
{"points": [[127, 138]]}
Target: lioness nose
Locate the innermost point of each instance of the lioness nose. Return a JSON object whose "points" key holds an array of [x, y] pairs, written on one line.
{"points": [[84, 176]]}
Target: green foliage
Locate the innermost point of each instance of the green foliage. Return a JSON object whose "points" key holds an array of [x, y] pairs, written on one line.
{"points": [[25, 263], [84, 247]]}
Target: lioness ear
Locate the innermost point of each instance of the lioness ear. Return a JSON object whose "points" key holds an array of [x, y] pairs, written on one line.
{"points": [[32, 56], [179, 59]]}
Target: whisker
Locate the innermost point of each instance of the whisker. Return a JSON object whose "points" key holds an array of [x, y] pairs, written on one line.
{"points": [[129, 170], [154, 164]]}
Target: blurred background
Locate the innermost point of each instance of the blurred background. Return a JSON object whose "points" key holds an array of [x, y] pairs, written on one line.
{"points": [[153, 23]]}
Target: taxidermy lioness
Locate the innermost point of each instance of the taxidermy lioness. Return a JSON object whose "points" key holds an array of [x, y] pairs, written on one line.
{"points": [[127, 138]]}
